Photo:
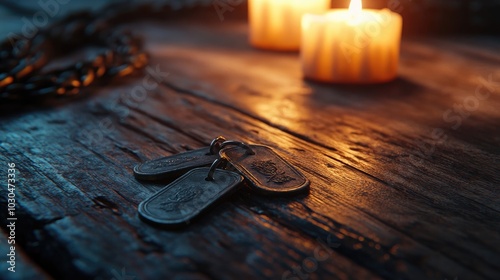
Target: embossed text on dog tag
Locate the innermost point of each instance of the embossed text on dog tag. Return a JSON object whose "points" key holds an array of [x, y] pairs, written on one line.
{"points": [[189, 195], [267, 171], [162, 168]]}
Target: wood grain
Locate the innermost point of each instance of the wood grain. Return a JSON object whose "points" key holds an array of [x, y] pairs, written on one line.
{"points": [[388, 199]]}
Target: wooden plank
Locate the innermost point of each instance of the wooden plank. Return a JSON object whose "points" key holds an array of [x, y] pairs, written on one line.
{"points": [[111, 206], [392, 217], [98, 185], [273, 83]]}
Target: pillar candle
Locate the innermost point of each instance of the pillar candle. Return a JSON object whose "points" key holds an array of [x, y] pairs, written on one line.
{"points": [[351, 46], [275, 24]]}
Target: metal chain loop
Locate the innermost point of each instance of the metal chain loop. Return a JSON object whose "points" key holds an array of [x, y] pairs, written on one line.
{"points": [[23, 60]]}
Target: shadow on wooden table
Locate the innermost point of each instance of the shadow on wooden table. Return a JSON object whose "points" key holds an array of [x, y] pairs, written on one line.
{"points": [[398, 89]]}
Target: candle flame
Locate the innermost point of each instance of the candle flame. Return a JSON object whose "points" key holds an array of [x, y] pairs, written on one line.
{"points": [[355, 7]]}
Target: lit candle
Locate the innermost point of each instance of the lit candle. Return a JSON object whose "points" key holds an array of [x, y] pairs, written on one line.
{"points": [[351, 46], [275, 24]]}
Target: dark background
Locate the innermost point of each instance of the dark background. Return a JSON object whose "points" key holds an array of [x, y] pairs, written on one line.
{"points": [[423, 17], [442, 16]]}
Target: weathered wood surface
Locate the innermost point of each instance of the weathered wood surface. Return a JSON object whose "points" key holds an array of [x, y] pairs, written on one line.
{"points": [[389, 198]]}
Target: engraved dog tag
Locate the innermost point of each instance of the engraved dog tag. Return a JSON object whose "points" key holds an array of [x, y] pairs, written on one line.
{"points": [[162, 168], [267, 171], [188, 196]]}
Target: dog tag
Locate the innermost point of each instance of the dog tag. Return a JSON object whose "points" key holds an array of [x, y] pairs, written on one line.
{"points": [[165, 167], [265, 169], [178, 164], [185, 198]]}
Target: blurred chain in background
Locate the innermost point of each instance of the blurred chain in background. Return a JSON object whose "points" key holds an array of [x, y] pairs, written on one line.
{"points": [[24, 55]]}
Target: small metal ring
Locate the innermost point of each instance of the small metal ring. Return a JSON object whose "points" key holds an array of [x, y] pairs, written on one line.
{"points": [[249, 150], [215, 164], [215, 145]]}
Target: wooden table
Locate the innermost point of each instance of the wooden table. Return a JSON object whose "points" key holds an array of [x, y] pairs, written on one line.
{"points": [[404, 176]]}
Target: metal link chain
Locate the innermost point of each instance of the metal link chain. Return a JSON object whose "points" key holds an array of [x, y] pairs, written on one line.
{"points": [[22, 61]]}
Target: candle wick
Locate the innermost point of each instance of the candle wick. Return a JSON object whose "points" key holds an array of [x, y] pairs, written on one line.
{"points": [[355, 8]]}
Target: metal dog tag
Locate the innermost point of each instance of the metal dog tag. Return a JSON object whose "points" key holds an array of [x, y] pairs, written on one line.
{"points": [[188, 196], [174, 165], [165, 167], [265, 169]]}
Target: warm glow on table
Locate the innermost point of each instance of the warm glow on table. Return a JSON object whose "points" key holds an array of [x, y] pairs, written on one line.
{"points": [[275, 24], [351, 46]]}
